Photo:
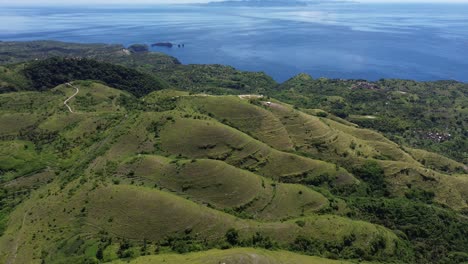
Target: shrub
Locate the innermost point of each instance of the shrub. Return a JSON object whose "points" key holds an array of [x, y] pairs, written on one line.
{"points": [[322, 114], [307, 245], [300, 223], [100, 254], [420, 195], [259, 240], [373, 175], [232, 236]]}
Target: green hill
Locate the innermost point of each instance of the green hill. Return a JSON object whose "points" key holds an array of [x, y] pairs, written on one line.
{"points": [[131, 172], [240, 255], [137, 214], [224, 187]]}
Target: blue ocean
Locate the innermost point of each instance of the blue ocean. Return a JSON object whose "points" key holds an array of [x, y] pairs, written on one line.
{"points": [[358, 41]]}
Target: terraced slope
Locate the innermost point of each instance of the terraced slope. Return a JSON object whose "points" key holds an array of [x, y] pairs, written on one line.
{"points": [[222, 186], [210, 139], [436, 161], [320, 138], [239, 113]]}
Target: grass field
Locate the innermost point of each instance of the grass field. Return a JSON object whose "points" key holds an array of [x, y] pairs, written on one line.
{"points": [[235, 256]]}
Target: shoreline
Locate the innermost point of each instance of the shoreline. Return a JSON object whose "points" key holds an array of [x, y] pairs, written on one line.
{"points": [[125, 49]]}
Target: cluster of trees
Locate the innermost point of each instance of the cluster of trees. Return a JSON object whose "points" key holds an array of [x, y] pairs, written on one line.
{"points": [[215, 79], [51, 72], [373, 176], [434, 234], [5, 209], [312, 246], [437, 235], [346, 250], [256, 240]]}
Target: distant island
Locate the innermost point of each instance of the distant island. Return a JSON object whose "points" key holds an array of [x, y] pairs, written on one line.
{"points": [[259, 3], [167, 44], [273, 3]]}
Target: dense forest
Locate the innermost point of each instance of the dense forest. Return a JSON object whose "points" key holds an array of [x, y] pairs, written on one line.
{"points": [[51, 72]]}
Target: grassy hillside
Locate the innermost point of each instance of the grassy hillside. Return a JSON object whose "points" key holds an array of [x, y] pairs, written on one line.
{"points": [[284, 127], [224, 187], [240, 113], [105, 171], [144, 175], [235, 256], [82, 217], [437, 161], [208, 139]]}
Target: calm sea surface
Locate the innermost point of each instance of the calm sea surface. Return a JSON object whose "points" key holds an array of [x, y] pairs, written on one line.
{"points": [[423, 42]]}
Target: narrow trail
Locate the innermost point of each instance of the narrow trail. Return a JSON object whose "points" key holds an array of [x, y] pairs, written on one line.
{"points": [[12, 258], [71, 97]]}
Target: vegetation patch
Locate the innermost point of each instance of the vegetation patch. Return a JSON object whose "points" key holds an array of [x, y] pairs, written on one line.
{"points": [[51, 72]]}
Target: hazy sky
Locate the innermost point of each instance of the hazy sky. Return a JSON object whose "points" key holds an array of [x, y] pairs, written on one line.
{"points": [[103, 2]]}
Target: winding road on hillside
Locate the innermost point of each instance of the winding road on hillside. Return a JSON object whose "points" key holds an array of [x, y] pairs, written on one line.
{"points": [[16, 242], [71, 97]]}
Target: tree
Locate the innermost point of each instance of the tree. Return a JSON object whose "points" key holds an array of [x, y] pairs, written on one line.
{"points": [[100, 254], [374, 176], [232, 236]]}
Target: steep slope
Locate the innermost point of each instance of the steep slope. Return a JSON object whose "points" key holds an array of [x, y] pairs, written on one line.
{"points": [[225, 187], [209, 139], [240, 114]]}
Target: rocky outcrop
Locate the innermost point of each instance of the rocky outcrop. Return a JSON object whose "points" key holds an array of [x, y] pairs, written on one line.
{"points": [[138, 48]]}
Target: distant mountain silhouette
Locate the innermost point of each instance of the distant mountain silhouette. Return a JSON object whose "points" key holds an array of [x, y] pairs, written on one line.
{"points": [[273, 3], [259, 3]]}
